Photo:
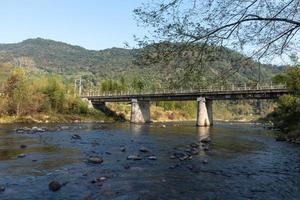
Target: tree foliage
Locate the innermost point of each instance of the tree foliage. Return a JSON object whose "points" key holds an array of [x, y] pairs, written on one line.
{"points": [[25, 95], [199, 29], [287, 114], [269, 26]]}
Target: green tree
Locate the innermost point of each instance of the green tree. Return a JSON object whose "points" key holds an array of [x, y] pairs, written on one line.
{"points": [[20, 96], [286, 115], [55, 91]]}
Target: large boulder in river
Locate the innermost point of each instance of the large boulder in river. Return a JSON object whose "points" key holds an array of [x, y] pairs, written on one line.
{"points": [[2, 188], [54, 186]]}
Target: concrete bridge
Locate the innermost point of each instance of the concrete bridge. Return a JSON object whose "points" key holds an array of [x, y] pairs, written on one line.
{"points": [[140, 102]]}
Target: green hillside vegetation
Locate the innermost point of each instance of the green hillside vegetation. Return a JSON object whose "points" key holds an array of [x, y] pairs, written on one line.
{"points": [[65, 59], [40, 98]]}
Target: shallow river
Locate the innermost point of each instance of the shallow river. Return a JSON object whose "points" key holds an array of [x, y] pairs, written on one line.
{"points": [[243, 161]]}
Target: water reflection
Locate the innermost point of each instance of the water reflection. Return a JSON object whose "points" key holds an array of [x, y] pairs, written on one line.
{"points": [[203, 132], [236, 165], [138, 129]]}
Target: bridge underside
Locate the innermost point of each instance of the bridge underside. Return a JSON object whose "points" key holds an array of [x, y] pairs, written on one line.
{"points": [[140, 111], [140, 103]]}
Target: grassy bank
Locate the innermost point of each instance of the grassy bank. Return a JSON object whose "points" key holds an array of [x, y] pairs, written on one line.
{"points": [[162, 114], [158, 114], [55, 118]]}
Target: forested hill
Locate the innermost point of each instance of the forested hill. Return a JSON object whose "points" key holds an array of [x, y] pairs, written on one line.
{"points": [[59, 57]]}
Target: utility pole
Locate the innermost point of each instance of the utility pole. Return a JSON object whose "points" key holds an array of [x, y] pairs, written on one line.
{"points": [[78, 86], [75, 87]]}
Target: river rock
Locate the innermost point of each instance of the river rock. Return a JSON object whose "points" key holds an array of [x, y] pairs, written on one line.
{"points": [[194, 145], [126, 166], [21, 155], [204, 161], [297, 141], [95, 160], [37, 129], [152, 158], [99, 180], [173, 166], [134, 157], [94, 143], [144, 150], [63, 127], [54, 186], [181, 156], [206, 148], [2, 188], [205, 140], [76, 137], [23, 130], [123, 149], [194, 151], [20, 131], [162, 126], [280, 138]]}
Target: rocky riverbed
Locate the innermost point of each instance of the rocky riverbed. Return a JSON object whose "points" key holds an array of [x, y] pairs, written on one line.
{"points": [[125, 161]]}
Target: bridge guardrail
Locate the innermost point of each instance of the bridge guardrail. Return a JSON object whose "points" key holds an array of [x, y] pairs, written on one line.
{"points": [[223, 88]]}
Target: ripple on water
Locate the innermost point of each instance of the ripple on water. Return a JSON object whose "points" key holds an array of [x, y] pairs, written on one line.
{"points": [[243, 163]]}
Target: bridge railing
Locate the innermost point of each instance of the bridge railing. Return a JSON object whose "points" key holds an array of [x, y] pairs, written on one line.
{"points": [[213, 88]]}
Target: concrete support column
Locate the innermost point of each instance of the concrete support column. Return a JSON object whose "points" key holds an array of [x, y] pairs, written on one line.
{"points": [[140, 111], [204, 112], [209, 111], [89, 103]]}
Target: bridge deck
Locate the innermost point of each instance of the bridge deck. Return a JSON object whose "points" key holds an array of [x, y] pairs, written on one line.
{"points": [[272, 92]]}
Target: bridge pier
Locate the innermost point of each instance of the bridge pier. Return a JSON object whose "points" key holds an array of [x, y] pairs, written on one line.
{"points": [[89, 102], [140, 111], [204, 112]]}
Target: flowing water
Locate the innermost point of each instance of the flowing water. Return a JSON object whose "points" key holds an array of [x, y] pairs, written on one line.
{"points": [[243, 161]]}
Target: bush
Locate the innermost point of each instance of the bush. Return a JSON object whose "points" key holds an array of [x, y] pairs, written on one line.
{"points": [[76, 106], [24, 95], [286, 116]]}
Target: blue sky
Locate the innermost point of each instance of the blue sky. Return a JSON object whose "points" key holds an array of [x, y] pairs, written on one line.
{"points": [[93, 24]]}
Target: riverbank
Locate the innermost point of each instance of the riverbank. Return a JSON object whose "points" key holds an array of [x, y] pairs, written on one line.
{"points": [[55, 118], [163, 116], [159, 114], [291, 135]]}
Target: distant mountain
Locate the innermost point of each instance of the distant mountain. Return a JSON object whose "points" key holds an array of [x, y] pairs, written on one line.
{"points": [[70, 60], [60, 57]]}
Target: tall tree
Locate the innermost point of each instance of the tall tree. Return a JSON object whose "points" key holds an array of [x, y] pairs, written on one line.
{"points": [[257, 28]]}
